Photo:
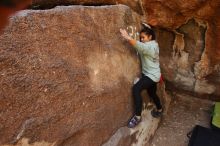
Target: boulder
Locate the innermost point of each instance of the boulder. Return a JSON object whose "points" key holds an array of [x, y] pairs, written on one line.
{"points": [[66, 76], [189, 35]]}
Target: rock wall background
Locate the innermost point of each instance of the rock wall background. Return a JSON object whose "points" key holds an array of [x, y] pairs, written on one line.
{"points": [[189, 44]]}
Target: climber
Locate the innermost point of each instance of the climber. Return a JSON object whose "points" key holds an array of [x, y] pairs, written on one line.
{"points": [[9, 7], [148, 50]]}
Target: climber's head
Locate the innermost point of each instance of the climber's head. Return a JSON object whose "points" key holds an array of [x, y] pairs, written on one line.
{"points": [[147, 34]]}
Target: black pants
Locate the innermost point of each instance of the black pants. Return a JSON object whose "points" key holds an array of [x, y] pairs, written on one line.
{"points": [[151, 87]]}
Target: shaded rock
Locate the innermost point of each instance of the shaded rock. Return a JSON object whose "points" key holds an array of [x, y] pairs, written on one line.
{"points": [[202, 86], [184, 59]]}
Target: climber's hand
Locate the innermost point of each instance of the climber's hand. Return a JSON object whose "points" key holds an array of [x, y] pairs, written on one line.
{"points": [[124, 34]]}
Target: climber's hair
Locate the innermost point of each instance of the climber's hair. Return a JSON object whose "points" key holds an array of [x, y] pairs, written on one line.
{"points": [[148, 31]]}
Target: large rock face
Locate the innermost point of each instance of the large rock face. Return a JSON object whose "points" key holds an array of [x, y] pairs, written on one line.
{"points": [[66, 77], [189, 35]]}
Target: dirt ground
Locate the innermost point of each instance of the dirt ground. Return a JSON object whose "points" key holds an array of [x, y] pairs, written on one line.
{"points": [[184, 113]]}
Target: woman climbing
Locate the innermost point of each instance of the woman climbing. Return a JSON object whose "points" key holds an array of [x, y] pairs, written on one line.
{"points": [[148, 50]]}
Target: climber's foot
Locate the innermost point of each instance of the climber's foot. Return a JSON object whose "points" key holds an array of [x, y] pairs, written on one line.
{"points": [[157, 113], [134, 121]]}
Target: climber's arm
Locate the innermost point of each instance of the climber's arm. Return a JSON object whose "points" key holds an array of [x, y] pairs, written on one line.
{"points": [[139, 46]]}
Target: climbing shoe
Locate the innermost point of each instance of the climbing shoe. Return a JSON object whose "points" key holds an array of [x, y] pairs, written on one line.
{"points": [[156, 113], [134, 121]]}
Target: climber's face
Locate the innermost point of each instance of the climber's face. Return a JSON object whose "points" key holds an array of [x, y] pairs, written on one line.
{"points": [[145, 37]]}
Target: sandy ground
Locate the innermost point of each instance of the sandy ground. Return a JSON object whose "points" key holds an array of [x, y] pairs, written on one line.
{"points": [[184, 113]]}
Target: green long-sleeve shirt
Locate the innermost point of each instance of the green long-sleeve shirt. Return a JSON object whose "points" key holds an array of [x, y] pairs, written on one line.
{"points": [[149, 54]]}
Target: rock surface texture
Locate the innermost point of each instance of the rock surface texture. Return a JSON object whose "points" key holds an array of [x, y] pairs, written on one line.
{"points": [[66, 77], [188, 36]]}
